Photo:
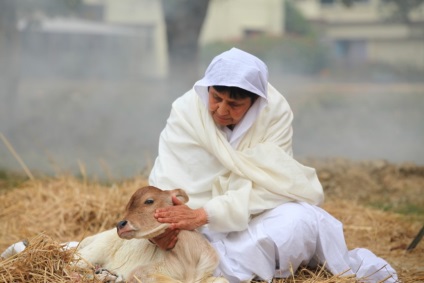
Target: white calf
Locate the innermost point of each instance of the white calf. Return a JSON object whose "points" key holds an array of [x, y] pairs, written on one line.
{"points": [[131, 256]]}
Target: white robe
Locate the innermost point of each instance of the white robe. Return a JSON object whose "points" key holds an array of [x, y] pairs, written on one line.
{"points": [[236, 186], [232, 185], [261, 203]]}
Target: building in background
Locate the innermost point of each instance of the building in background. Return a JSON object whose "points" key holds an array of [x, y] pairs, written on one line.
{"points": [[127, 38], [225, 20], [235, 19], [114, 40], [80, 49], [362, 32], [147, 15]]}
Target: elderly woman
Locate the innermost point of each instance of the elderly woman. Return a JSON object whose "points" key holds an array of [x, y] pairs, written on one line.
{"points": [[228, 144]]}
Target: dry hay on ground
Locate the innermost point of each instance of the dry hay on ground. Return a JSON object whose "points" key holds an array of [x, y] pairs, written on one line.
{"points": [[398, 187], [52, 211], [64, 208], [44, 260]]}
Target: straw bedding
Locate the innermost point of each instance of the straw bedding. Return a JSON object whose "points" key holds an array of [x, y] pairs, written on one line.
{"points": [[51, 211]]}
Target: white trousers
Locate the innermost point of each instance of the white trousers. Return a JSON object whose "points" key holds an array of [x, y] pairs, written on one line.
{"points": [[289, 236]]}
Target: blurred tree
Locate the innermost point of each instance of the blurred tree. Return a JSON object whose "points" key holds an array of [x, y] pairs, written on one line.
{"points": [[9, 51], [295, 22], [402, 8], [184, 20]]}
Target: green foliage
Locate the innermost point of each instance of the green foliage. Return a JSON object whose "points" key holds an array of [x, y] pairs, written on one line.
{"points": [[295, 22], [10, 180], [401, 8], [288, 54], [405, 208]]}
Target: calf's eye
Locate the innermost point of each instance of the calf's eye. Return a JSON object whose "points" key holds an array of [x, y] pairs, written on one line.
{"points": [[149, 201]]}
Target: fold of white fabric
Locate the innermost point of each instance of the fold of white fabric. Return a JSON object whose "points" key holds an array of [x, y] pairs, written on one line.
{"points": [[232, 184], [297, 234]]}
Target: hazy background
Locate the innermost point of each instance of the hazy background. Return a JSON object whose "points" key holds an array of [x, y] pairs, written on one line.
{"points": [[85, 110]]}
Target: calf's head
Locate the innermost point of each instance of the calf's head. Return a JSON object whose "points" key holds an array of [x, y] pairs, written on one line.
{"points": [[139, 220]]}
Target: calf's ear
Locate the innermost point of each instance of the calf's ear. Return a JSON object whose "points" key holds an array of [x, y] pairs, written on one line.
{"points": [[180, 194]]}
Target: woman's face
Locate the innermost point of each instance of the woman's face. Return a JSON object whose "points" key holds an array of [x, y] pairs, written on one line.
{"points": [[225, 110]]}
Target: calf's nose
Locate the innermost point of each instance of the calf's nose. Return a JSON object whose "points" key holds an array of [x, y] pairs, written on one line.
{"points": [[121, 224]]}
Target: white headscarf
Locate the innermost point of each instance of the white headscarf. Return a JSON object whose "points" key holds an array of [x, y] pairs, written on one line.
{"points": [[237, 68]]}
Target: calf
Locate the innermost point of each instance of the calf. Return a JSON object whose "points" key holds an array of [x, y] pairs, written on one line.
{"points": [[130, 255]]}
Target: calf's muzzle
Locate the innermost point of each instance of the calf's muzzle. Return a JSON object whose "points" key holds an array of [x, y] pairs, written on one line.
{"points": [[121, 224]]}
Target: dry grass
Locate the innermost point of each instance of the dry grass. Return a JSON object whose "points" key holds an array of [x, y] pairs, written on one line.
{"points": [[48, 212], [44, 260]]}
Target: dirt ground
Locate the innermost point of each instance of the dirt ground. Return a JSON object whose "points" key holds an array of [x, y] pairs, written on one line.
{"points": [[381, 205]]}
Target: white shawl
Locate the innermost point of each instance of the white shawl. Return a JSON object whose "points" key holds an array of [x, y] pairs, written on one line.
{"points": [[237, 174], [232, 185]]}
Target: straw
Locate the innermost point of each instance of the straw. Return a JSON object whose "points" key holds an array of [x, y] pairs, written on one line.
{"points": [[59, 209]]}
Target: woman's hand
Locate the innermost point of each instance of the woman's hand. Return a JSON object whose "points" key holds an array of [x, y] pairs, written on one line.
{"points": [[182, 217]]}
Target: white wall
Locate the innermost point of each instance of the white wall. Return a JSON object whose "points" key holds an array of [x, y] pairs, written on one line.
{"points": [[147, 13], [229, 19]]}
